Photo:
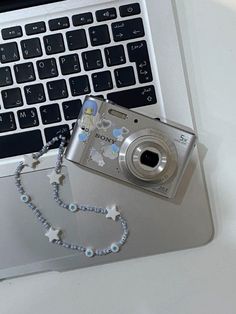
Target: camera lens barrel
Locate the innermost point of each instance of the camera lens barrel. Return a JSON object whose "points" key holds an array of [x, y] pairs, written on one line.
{"points": [[148, 157]]}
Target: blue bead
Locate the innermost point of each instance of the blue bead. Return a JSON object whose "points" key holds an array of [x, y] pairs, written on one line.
{"points": [[89, 252], [73, 207], [115, 248], [25, 198]]}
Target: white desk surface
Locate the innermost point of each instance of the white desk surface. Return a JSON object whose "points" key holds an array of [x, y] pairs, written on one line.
{"points": [[198, 281]]}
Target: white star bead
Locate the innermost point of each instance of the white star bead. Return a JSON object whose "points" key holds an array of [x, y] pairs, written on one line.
{"points": [[112, 212], [30, 161], [53, 234], [55, 177]]}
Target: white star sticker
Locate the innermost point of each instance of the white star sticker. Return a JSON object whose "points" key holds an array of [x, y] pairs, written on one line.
{"points": [[53, 234], [120, 138], [30, 161], [112, 212], [55, 177], [101, 163]]}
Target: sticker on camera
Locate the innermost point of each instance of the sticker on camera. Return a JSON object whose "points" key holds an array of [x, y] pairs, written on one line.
{"points": [[119, 133], [104, 124], [111, 151], [97, 157], [89, 119], [90, 115]]}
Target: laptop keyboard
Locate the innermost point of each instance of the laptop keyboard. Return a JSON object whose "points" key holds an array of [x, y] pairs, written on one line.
{"points": [[46, 72]]}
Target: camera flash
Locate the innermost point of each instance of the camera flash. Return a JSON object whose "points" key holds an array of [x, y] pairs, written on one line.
{"points": [[117, 114]]}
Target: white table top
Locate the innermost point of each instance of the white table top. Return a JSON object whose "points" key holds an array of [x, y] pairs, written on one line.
{"points": [[195, 281]]}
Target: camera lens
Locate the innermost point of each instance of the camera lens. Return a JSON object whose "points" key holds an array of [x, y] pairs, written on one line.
{"points": [[149, 159]]}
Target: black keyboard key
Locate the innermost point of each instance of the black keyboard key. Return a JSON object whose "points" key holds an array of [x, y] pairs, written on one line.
{"points": [[11, 32], [71, 109], [76, 39], [92, 60], [7, 123], [70, 64], [12, 98], [102, 81], [24, 72], [34, 94], [47, 68], [59, 23], [9, 53], [50, 114], [125, 77], [79, 85], [82, 19], [136, 97], [138, 53], [129, 29], [115, 55], [99, 35], [57, 89], [54, 44], [56, 131], [106, 14], [20, 144], [130, 9], [5, 77], [28, 118], [35, 28], [31, 48]]}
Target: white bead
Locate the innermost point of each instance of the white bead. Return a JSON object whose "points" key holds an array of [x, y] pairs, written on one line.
{"points": [[25, 198], [30, 161], [89, 252], [115, 248], [73, 207], [112, 212], [55, 177], [53, 234]]}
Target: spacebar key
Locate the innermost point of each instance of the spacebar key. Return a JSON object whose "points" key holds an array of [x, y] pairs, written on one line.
{"points": [[136, 97], [21, 143]]}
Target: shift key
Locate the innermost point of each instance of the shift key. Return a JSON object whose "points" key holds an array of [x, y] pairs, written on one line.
{"points": [[136, 97], [20, 143]]}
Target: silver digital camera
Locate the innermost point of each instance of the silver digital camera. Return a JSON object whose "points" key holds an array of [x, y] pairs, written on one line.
{"points": [[130, 147]]}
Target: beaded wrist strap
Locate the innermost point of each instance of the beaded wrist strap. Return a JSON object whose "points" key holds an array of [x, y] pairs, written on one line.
{"points": [[55, 235]]}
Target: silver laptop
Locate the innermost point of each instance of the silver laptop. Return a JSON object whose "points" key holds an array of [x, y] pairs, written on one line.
{"points": [[54, 53]]}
